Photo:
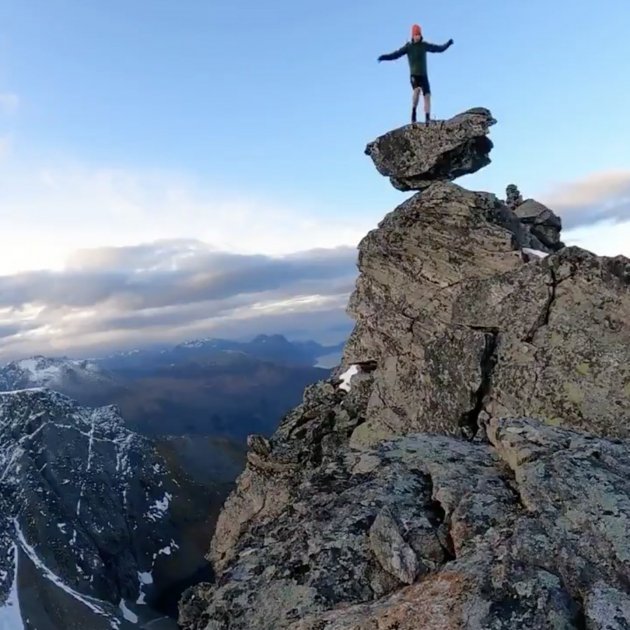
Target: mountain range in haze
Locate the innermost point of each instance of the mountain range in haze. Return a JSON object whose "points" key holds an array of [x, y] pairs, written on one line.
{"points": [[207, 387]]}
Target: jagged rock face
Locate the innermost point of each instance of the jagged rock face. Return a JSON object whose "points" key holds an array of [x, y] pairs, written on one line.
{"points": [[315, 431], [414, 156], [460, 327], [85, 516], [516, 533], [544, 224]]}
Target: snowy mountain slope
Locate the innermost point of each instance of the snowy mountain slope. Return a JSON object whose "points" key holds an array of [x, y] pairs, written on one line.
{"points": [[61, 374], [84, 516], [226, 393]]}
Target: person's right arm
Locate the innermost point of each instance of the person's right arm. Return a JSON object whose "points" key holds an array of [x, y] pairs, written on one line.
{"points": [[395, 55]]}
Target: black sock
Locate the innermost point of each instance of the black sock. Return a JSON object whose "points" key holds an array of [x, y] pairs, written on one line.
{"points": [[413, 115], [427, 117]]}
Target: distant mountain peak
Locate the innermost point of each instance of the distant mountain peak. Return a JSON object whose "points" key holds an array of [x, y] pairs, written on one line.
{"points": [[40, 371]]}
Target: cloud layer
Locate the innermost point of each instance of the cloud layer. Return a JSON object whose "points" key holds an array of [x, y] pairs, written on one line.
{"points": [[48, 212], [169, 291], [101, 298], [596, 198]]}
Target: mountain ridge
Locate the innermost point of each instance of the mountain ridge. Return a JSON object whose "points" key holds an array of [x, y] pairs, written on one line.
{"points": [[213, 387], [466, 466], [86, 515]]}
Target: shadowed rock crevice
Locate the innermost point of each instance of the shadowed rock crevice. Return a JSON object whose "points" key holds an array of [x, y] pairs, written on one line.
{"points": [[543, 319], [581, 622], [437, 517], [469, 421], [467, 158]]}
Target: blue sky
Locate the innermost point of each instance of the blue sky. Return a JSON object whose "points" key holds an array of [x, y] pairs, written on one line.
{"points": [[242, 124]]}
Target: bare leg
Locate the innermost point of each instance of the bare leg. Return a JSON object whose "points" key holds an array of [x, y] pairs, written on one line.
{"points": [[414, 106], [416, 97], [427, 106]]}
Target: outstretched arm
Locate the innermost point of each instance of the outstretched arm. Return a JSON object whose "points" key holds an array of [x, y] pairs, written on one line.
{"points": [[436, 48], [395, 55]]}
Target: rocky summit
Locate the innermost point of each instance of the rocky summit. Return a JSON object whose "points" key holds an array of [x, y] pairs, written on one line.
{"points": [[468, 465], [415, 156], [86, 524]]}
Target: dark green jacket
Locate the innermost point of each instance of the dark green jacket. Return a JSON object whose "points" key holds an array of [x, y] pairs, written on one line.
{"points": [[416, 54]]}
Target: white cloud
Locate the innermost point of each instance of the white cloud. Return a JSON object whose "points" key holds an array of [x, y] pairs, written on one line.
{"points": [[171, 291], [589, 190], [599, 197], [9, 102], [606, 238], [48, 213]]}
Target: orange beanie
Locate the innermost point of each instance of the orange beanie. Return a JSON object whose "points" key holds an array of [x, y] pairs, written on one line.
{"points": [[416, 31]]}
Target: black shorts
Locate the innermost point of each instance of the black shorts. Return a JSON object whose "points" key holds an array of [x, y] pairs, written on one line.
{"points": [[421, 81]]}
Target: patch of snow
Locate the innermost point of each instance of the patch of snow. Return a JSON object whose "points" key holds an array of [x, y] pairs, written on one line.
{"points": [[10, 615], [346, 377], [145, 579], [62, 528], [535, 252], [159, 508], [93, 604], [39, 370], [168, 550], [21, 391], [126, 613]]}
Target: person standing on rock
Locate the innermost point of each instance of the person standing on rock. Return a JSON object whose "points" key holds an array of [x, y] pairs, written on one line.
{"points": [[416, 51]]}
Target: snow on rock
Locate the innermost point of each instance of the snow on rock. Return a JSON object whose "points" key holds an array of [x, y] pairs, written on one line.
{"points": [[126, 613], [93, 604], [534, 252], [346, 377], [159, 509], [51, 373], [10, 617], [166, 551], [144, 579]]}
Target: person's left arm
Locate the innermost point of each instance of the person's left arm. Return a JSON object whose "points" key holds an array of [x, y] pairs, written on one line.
{"points": [[435, 48]]}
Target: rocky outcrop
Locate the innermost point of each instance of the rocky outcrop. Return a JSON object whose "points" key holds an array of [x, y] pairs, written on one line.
{"points": [[513, 197], [461, 328], [468, 466], [543, 223], [528, 531], [86, 526], [415, 156]]}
